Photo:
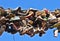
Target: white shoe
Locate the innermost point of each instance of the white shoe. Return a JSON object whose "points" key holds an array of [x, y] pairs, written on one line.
{"points": [[56, 33]]}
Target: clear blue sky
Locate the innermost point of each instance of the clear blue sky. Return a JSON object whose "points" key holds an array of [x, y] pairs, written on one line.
{"points": [[25, 4]]}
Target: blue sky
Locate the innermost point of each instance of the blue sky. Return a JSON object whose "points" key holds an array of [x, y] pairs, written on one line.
{"points": [[26, 4]]}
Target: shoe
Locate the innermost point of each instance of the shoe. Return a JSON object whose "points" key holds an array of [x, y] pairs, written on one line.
{"points": [[40, 34]]}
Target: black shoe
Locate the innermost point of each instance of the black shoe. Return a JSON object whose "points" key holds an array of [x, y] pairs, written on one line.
{"points": [[40, 34], [32, 35]]}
